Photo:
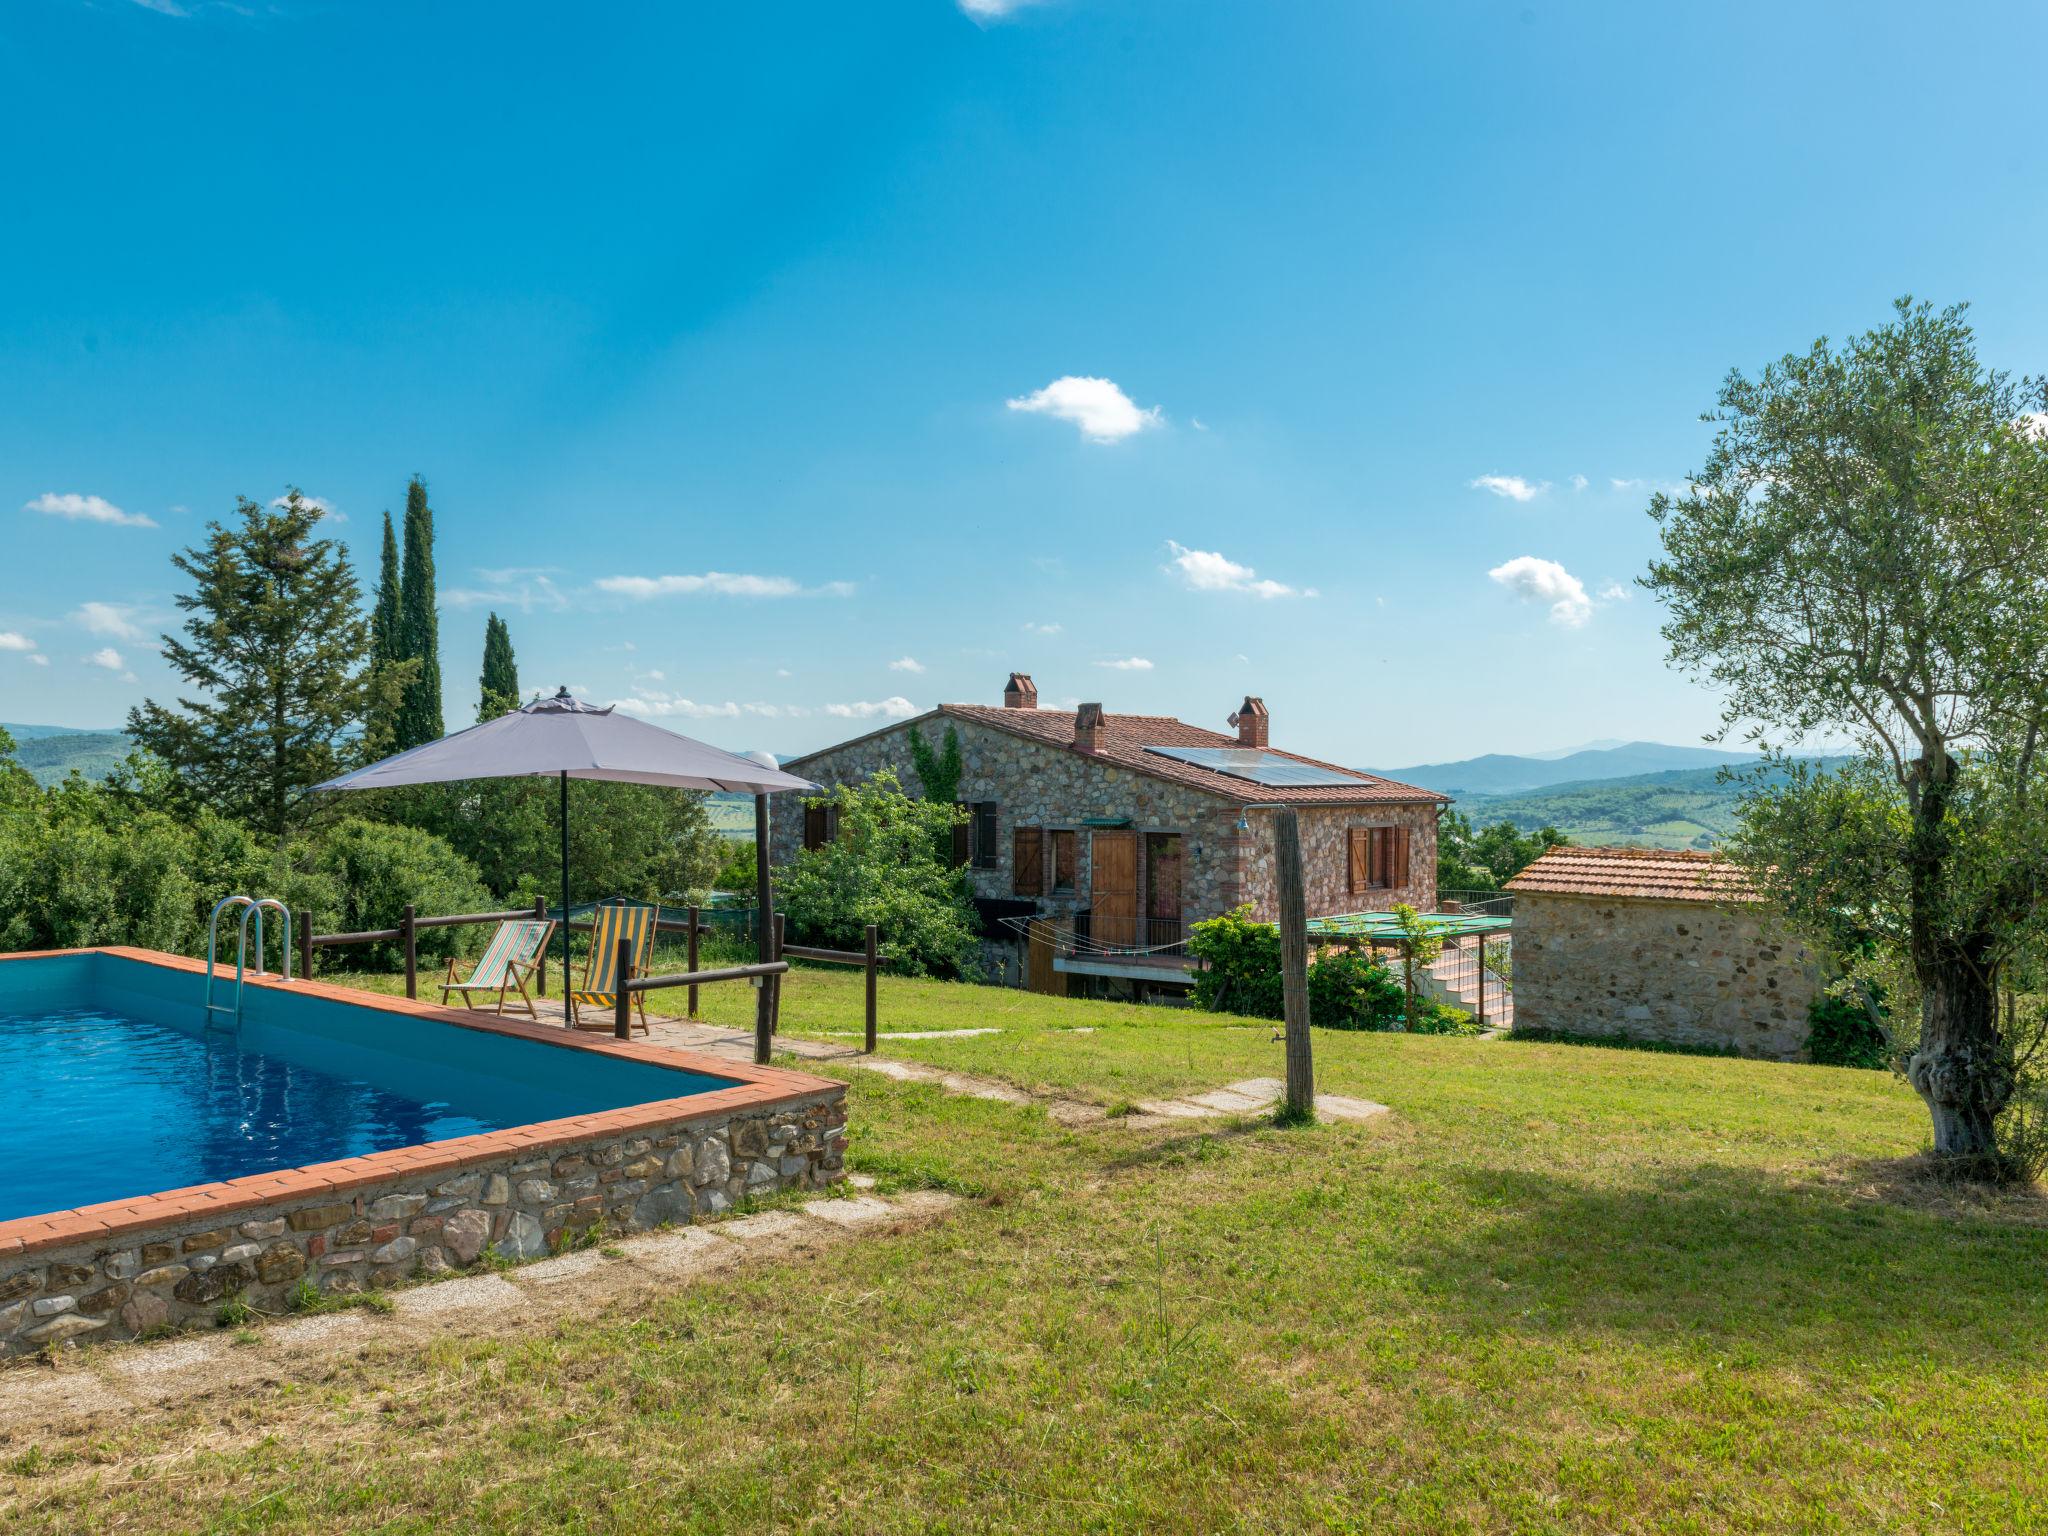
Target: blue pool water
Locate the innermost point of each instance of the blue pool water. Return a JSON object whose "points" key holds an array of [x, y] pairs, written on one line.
{"points": [[114, 1086]]}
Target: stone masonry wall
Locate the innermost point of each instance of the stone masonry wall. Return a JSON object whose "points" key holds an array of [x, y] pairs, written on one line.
{"points": [[1689, 973], [428, 1224], [1037, 785]]}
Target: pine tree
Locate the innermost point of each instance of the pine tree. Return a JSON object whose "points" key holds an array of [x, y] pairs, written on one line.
{"points": [[500, 680], [419, 633], [278, 644]]}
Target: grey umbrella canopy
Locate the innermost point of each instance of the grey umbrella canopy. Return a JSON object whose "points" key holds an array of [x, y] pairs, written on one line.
{"points": [[563, 738]]}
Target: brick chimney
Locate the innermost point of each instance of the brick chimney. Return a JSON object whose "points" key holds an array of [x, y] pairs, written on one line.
{"points": [[1020, 692], [1088, 723], [1252, 723]]}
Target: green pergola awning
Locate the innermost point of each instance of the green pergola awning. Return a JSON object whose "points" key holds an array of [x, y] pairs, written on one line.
{"points": [[1382, 927]]}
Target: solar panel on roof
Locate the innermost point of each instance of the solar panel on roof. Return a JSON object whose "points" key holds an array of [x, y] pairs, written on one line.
{"points": [[1260, 767]]}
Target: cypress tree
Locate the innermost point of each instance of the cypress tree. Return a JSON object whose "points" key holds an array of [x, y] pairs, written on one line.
{"points": [[384, 618], [500, 680], [419, 632]]}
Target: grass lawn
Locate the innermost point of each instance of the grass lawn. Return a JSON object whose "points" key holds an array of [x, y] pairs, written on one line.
{"points": [[1559, 1289]]}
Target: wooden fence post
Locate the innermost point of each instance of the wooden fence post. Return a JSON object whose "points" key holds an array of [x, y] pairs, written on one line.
{"points": [[874, 945], [1301, 1079], [693, 961], [1482, 981], [409, 935], [775, 982], [764, 903], [305, 945], [622, 1000]]}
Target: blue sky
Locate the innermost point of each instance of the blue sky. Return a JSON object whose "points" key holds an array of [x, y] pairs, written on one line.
{"points": [[779, 368]]}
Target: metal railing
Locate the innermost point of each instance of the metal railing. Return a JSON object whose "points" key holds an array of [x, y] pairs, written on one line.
{"points": [[1477, 903], [1468, 967]]}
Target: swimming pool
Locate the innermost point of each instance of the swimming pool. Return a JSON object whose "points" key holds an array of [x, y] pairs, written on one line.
{"points": [[156, 1165]]}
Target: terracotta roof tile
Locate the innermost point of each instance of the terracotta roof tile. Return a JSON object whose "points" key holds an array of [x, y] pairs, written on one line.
{"points": [[1124, 738], [1650, 874]]}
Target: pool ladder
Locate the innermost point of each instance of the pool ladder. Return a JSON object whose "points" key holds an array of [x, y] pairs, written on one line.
{"points": [[251, 907]]}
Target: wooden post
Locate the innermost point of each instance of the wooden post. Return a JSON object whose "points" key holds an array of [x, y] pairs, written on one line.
{"points": [[409, 936], [622, 1000], [874, 951], [1301, 1079], [1482, 981], [540, 915], [693, 962], [775, 982], [764, 903], [305, 946]]}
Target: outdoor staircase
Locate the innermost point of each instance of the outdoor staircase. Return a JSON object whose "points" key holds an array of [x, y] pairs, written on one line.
{"points": [[1454, 978]]}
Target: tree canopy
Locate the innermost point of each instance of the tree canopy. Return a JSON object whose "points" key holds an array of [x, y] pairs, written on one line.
{"points": [[419, 627], [498, 686], [277, 650], [1863, 559]]}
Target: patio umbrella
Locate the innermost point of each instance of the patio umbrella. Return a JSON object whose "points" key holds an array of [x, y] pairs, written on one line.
{"points": [[564, 738]]}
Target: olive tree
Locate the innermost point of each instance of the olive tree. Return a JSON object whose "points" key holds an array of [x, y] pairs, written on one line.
{"points": [[1864, 559]]}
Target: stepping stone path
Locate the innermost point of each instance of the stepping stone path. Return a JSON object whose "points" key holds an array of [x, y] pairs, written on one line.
{"points": [[1254, 1096], [627, 1272]]}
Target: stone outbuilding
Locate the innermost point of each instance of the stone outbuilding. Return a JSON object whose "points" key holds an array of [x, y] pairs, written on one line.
{"points": [[1657, 944], [1109, 835]]}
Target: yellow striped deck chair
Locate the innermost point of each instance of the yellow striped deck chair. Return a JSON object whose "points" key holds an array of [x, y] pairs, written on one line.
{"points": [[510, 957], [609, 923]]}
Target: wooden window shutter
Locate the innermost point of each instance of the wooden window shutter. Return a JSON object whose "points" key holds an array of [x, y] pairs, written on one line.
{"points": [[1397, 873], [1360, 858], [1028, 847], [1065, 865], [1377, 868], [814, 827], [963, 841], [985, 853]]}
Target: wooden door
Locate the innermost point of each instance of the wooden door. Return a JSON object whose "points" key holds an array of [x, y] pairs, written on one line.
{"points": [[1113, 887], [1039, 972]]}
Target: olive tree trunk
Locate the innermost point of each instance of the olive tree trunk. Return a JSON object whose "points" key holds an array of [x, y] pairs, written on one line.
{"points": [[1963, 1068]]}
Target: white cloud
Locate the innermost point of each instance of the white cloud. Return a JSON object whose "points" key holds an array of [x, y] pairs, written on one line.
{"points": [[1205, 570], [106, 656], [1198, 424], [983, 11], [39, 658], [1580, 482], [14, 640], [654, 704], [1041, 629], [657, 677], [75, 508], [524, 587], [1127, 664], [894, 708], [717, 584], [112, 619], [329, 512], [1668, 487], [1513, 487], [2032, 424], [1545, 581], [784, 672], [164, 7], [1103, 412], [906, 664], [1615, 592]]}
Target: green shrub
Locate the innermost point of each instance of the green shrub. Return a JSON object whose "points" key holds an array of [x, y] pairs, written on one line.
{"points": [[375, 869], [1347, 989], [1433, 1018], [883, 866], [1841, 1033]]}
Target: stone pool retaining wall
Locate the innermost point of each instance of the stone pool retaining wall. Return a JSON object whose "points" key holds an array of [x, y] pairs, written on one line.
{"points": [[125, 1268]]}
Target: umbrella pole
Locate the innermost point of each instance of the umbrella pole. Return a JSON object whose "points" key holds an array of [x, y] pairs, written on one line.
{"points": [[764, 934], [567, 1020]]}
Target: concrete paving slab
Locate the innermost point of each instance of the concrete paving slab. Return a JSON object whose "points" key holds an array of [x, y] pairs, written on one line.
{"points": [[452, 1298], [1332, 1106], [855, 1212], [766, 1224], [562, 1268]]}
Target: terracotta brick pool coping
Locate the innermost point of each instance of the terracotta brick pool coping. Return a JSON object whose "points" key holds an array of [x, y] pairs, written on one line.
{"points": [[753, 1087]]}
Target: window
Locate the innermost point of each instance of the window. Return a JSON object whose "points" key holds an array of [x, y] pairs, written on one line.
{"points": [[986, 854], [1027, 847], [1065, 862], [1378, 859], [821, 825]]}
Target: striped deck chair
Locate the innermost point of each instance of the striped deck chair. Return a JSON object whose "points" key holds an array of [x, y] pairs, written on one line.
{"points": [[609, 923], [511, 957]]}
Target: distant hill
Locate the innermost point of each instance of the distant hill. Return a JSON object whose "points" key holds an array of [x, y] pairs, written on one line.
{"points": [[1501, 774], [1681, 808], [49, 752]]}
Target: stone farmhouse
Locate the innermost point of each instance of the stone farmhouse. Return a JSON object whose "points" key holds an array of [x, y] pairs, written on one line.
{"points": [[1118, 832], [1657, 945]]}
